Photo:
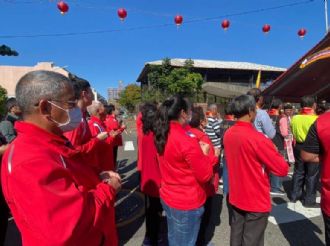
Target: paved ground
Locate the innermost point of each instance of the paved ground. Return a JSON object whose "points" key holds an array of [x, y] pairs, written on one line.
{"points": [[290, 224]]}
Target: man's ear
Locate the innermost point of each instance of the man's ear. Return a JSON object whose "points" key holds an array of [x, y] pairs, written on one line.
{"points": [[44, 107]]}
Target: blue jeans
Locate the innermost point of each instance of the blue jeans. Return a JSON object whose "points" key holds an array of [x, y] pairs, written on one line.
{"points": [[225, 177], [275, 182], [183, 225]]}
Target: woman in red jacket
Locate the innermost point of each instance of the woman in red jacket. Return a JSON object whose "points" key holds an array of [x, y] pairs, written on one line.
{"points": [[197, 124], [185, 169], [150, 175]]}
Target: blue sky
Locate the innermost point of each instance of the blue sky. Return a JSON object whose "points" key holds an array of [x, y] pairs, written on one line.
{"points": [[106, 58]]}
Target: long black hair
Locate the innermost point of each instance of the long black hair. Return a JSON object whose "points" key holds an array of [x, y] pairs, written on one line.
{"points": [[169, 110], [149, 112]]}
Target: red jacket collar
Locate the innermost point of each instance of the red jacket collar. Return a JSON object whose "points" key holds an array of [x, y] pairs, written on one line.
{"points": [[244, 124], [177, 125], [307, 111], [274, 112], [229, 117], [37, 134], [96, 120]]}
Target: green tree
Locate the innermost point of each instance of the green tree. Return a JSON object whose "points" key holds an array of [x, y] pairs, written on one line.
{"points": [[166, 80], [3, 99], [130, 97]]}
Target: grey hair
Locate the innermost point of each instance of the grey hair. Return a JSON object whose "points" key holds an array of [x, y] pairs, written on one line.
{"points": [[213, 106], [94, 107], [37, 85]]}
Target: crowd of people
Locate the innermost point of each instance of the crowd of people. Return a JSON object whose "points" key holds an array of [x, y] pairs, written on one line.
{"points": [[59, 159]]}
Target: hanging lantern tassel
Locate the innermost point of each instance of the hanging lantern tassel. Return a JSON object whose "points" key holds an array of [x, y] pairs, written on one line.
{"points": [[302, 32], [225, 24], [178, 19], [63, 7], [266, 28], [122, 13]]}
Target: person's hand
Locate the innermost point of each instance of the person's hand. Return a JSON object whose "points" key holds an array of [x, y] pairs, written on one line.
{"points": [[111, 178], [109, 175], [217, 152], [115, 183], [102, 136], [205, 147], [113, 133], [3, 148], [123, 126]]}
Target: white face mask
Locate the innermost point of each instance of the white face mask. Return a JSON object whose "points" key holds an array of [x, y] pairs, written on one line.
{"points": [[74, 118]]}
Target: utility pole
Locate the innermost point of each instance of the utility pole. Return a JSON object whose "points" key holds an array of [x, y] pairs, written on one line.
{"points": [[326, 15]]}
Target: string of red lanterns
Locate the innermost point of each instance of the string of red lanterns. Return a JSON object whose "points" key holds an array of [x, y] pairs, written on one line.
{"points": [[178, 19]]}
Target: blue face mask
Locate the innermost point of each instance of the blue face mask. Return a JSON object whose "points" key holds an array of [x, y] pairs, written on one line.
{"points": [[74, 118]]}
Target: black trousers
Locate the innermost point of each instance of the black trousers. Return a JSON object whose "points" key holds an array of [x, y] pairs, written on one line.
{"points": [[115, 154], [153, 218], [206, 218], [247, 228], [4, 213], [326, 220], [304, 174]]}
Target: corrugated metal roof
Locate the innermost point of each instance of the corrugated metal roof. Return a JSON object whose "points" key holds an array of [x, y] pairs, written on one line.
{"points": [[221, 65]]}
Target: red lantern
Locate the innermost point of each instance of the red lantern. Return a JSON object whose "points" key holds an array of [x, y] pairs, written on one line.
{"points": [[266, 28], [63, 7], [178, 20], [225, 24], [122, 13], [302, 32]]}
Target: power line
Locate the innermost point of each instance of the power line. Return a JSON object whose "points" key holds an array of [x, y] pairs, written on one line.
{"points": [[191, 21]]}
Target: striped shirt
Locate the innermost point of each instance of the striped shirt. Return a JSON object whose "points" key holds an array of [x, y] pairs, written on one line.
{"points": [[213, 131]]}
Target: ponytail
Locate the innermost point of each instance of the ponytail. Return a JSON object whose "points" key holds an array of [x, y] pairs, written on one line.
{"points": [[169, 110], [162, 127]]}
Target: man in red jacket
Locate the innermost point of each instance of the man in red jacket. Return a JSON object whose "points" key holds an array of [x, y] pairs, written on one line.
{"points": [[54, 197], [112, 124], [97, 126], [316, 150], [250, 158], [81, 137]]}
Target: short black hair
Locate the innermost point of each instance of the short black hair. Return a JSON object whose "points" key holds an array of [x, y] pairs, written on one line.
{"points": [[79, 85], [110, 108], [242, 105], [276, 103], [307, 101], [255, 92], [197, 115], [10, 103]]}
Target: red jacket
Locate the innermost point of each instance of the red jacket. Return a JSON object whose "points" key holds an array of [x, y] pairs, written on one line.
{"points": [[139, 126], [112, 124], [322, 127], [212, 187], [150, 173], [105, 150], [55, 199], [184, 170], [81, 138], [250, 157]]}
